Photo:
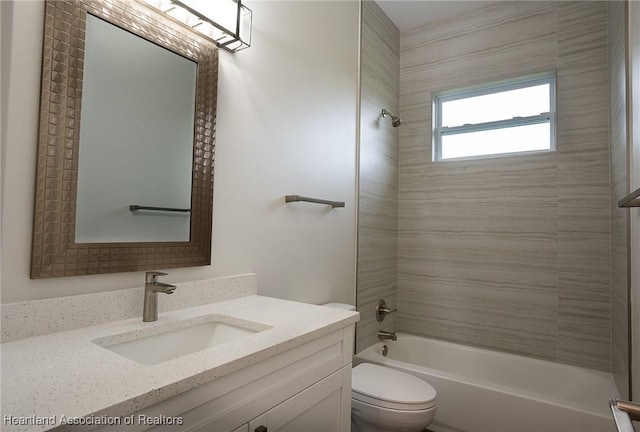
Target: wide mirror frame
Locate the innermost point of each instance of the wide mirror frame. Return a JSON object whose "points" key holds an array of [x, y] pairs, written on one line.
{"points": [[54, 251]]}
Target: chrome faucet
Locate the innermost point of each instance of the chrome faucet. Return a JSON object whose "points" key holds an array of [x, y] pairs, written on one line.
{"points": [[387, 335], [151, 288]]}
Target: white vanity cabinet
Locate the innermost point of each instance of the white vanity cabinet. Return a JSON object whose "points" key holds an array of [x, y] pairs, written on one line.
{"points": [[306, 388], [316, 409]]}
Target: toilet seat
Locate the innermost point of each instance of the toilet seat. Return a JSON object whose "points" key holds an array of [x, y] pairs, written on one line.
{"points": [[388, 388]]}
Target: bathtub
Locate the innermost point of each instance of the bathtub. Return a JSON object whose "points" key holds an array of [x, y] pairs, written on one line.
{"points": [[486, 391]]}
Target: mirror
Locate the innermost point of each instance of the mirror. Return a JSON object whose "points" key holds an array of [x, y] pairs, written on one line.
{"points": [[124, 180]]}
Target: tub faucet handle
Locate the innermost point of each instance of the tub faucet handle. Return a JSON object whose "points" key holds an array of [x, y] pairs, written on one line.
{"points": [[382, 310]]}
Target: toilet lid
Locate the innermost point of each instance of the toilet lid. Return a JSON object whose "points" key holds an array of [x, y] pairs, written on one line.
{"points": [[389, 388]]}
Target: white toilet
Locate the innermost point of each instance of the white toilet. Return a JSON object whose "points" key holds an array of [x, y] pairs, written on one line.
{"points": [[384, 399], [387, 400]]}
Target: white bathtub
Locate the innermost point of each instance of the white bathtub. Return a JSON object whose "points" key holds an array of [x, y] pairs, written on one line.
{"points": [[487, 391]]}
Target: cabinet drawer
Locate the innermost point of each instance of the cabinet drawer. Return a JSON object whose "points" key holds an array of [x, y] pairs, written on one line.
{"points": [[323, 407]]}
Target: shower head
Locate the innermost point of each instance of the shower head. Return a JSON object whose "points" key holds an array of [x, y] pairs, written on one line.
{"points": [[395, 121]]}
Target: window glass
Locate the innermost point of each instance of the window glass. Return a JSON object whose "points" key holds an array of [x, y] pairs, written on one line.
{"points": [[522, 102], [495, 119], [496, 141]]}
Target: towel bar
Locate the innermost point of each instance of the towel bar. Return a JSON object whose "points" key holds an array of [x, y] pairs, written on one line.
{"points": [[298, 198], [631, 200], [623, 412], [135, 207]]}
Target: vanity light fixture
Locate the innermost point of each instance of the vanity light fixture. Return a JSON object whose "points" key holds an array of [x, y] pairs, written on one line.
{"points": [[225, 22]]}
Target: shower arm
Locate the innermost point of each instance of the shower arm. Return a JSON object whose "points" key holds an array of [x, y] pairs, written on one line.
{"points": [[386, 113]]}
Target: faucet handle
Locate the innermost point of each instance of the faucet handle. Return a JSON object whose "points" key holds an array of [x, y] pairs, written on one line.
{"points": [[382, 310], [152, 276]]}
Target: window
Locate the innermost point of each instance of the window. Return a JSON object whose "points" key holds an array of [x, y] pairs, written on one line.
{"points": [[496, 119]]}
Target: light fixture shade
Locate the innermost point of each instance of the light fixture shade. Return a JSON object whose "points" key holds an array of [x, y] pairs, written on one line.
{"points": [[225, 22]]}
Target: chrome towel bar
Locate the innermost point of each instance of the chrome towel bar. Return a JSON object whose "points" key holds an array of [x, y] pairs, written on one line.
{"points": [[631, 200], [135, 207], [623, 412], [298, 198]]}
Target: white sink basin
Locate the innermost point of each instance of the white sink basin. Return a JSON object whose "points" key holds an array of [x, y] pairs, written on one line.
{"points": [[161, 347]]}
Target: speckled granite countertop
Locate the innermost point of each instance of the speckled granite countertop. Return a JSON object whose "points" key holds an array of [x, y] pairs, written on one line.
{"points": [[67, 374]]}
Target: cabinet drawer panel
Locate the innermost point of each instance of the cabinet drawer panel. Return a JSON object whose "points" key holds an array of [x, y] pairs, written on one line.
{"points": [[316, 409]]}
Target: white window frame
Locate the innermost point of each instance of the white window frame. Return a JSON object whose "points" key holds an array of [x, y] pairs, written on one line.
{"points": [[529, 81]]}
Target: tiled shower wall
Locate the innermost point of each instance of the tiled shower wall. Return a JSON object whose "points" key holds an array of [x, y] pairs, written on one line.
{"points": [[619, 179], [378, 206], [510, 253]]}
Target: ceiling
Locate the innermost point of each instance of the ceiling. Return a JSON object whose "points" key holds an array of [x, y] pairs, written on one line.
{"points": [[407, 14]]}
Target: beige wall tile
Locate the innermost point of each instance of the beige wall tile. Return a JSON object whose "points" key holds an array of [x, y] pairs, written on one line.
{"points": [[620, 280], [378, 204], [509, 253]]}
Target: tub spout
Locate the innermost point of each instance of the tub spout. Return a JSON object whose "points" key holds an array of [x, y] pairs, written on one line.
{"points": [[387, 335]]}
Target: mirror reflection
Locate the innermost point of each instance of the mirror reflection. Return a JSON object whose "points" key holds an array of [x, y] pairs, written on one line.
{"points": [[136, 139]]}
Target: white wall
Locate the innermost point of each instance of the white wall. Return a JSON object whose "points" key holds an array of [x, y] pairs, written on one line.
{"points": [[287, 113]]}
